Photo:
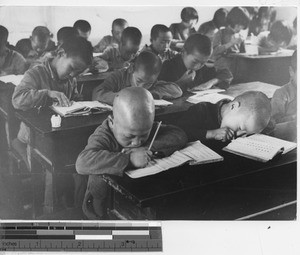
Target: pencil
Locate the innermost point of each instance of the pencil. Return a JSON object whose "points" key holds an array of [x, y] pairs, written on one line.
{"points": [[154, 136]]}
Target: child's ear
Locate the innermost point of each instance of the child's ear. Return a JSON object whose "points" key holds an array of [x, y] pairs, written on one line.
{"points": [[111, 121], [61, 52], [235, 105]]}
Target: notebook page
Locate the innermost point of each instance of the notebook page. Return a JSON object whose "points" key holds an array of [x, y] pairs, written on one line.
{"points": [[200, 154], [161, 102], [288, 146], [95, 104], [14, 79], [211, 98], [253, 149], [65, 110], [206, 92], [159, 165]]}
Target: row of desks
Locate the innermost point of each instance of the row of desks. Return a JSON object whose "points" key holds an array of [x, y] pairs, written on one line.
{"points": [[57, 151]]}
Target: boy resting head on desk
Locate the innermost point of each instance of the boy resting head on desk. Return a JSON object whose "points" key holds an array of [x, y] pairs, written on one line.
{"points": [[284, 100], [143, 72], [53, 81], [189, 69], [120, 56], [248, 113], [121, 143]]}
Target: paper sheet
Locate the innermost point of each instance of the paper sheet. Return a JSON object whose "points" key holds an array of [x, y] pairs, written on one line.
{"points": [[14, 79], [161, 102], [212, 98]]}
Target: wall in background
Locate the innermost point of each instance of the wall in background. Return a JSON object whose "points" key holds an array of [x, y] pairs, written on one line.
{"points": [[21, 20]]}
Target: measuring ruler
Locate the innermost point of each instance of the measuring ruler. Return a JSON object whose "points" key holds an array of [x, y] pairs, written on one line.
{"points": [[80, 236]]}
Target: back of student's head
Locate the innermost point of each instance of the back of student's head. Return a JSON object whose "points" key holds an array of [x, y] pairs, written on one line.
{"points": [[42, 33], [82, 25], [3, 34], [189, 13], [294, 61], [219, 18], [206, 27], [199, 43], [78, 47], [158, 28], [238, 16], [149, 62], [252, 10], [257, 105], [281, 31], [119, 23], [131, 34], [66, 33]]}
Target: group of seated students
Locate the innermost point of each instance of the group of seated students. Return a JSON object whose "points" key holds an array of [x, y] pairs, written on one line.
{"points": [[141, 74]]}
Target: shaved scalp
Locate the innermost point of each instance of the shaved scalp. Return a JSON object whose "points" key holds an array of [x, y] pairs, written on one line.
{"points": [[149, 62], [135, 106]]}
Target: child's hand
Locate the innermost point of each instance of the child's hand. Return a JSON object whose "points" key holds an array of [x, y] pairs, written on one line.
{"points": [[32, 54], [139, 157], [59, 97], [204, 86], [236, 39], [221, 134]]}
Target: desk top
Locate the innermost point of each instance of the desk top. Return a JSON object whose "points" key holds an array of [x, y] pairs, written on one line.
{"points": [[150, 189], [279, 54], [41, 122]]}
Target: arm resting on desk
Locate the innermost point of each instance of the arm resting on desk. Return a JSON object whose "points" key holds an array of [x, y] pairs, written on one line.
{"points": [[165, 90]]}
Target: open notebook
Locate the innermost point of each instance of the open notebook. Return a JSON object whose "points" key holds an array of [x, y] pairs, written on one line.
{"points": [[82, 108], [259, 147], [195, 153]]}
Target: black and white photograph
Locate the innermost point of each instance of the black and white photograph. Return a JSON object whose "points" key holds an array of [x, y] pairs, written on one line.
{"points": [[182, 112]]}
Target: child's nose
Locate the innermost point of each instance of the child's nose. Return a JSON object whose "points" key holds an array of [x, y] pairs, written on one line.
{"points": [[136, 142]]}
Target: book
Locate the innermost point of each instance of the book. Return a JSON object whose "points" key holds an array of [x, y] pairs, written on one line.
{"points": [[259, 147], [161, 102], [82, 108], [12, 78], [211, 98], [195, 153]]}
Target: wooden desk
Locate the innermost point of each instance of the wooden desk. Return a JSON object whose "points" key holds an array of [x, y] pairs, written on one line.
{"points": [[273, 69], [152, 197]]}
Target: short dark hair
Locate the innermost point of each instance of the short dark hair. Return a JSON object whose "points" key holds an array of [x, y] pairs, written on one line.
{"points": [[238, 16], [149, 61], [158, 28], [65, 33], [3, 33], [281, 31], [206, 27], [119, 22], [198, 42], [189, 13], [42, 33], [78, 47], [294, 61], [219, 18], [82, 25], [132, 34]]}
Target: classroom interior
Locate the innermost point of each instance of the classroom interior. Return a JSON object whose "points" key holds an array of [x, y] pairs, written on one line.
{"points": [[236, 188]]}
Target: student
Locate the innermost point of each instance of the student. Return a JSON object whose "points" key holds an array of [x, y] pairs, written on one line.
{"points": [[65, 33], [83, 28], [119, 57], [260, 22], [35, 46], [284, 101], [121, 143], [278, 37], [188, 69], [161, 38], [143, 72], [293, 42], [118, 26], [248, 113], [220, 18], [11, 62]]}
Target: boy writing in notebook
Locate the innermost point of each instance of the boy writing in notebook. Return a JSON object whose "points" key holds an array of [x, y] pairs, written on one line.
{"points": [[11, 62], [119, 57], [189, 70], [284, 100], [118, 27], [248, 113], [143, 72], [122, 142]]}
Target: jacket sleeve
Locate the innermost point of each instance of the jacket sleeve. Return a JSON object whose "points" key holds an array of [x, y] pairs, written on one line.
{"points": [[166, 90], [27, 94], [166, 73], [106, 91], [19, 63], [96, 158], [169, 139], [102, 45], [225, 76]]}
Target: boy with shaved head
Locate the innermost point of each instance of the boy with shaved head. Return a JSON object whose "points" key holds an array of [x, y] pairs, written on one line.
{"points": [[142, 73], [248, 113], [121, 143]]}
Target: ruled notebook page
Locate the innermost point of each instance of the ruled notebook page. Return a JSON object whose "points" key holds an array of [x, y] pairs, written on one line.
{"points": [[253, 149], [288, 146]]}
